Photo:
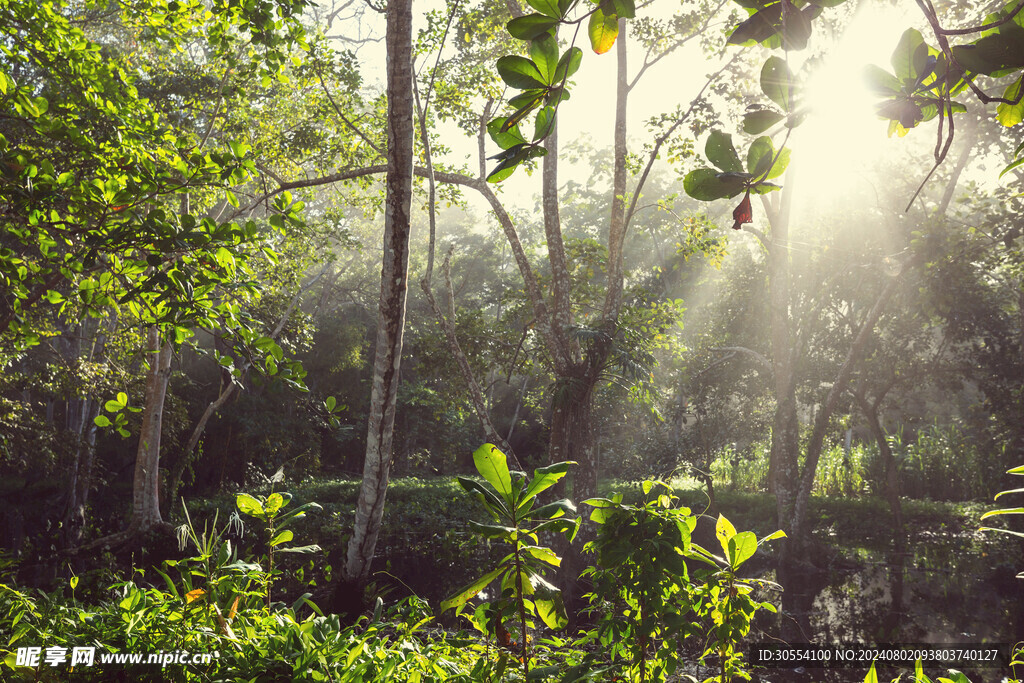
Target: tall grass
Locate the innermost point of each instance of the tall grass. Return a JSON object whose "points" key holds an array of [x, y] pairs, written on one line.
{"points": [[941, 462]]}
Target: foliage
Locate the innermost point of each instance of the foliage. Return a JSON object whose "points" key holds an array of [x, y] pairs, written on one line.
{"points": [[513, 503], [90, 168], [271, 512], [654, 587]]}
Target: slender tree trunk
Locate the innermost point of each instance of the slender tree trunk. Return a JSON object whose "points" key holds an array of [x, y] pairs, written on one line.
{"points": [[146, 485], [81, 473], [394, 286], [783, 472], [892, 481]]}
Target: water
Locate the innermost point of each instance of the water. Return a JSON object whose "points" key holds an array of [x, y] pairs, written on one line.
{"points": [[945, 588]]}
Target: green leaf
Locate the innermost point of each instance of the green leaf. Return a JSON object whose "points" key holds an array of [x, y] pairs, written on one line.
{"points": [[546, 477], [329, 403], [724, 530], [492, 530], [759, 121], [282, 537], [995, 53], [113, 406], [909, 56], [881, 81], [777, 82], [707, 184], [720, 151], [741, 548], [275, 501], [101, 421], [301, 549], [520, 72], [249, 505], [531, 26], [551, 611], [1002, 531], [568, 64], [1017, 470], [545, 123], [1004, 493], [772, 536], [1003, 511], [492, 465], [1011, 114], [563, 506], [872, 676], [470, 591], [548, 8], [544, 53], [544, 554], [122, 398], [602, 29], [486, 496], [506, 138], [761, 154]]}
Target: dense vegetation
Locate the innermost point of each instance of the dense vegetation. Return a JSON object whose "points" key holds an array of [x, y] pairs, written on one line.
{"points": [[211, 213]]}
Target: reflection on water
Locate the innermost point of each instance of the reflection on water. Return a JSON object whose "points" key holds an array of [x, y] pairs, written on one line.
{"points": [[946, 588]]}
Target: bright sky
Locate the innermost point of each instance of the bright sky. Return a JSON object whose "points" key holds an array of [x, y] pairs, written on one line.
{"points": [[832, 150]]}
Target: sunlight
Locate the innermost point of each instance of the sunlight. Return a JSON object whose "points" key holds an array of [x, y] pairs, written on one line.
{"points": [[843, 138]]}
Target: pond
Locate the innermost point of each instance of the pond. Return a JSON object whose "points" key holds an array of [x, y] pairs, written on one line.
{"points": [[947, 587]]}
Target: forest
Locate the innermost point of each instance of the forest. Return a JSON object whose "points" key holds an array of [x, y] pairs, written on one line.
{"points": [[517, 340]]}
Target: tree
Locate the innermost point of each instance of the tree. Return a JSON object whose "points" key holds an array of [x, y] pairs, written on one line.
{"points": [[394, 285]]}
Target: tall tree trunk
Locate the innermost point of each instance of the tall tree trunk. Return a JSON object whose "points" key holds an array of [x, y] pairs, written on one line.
{"points": [[146, 485], [892, 480], [783, 468], [393, 289], [81, 473]]}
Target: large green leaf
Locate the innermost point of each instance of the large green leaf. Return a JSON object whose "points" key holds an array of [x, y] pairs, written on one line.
{"points": [[707, 184], [546, 477], [543, 554], [741, 548], [492, 530], [720, 151], [760, 156], [765, 25], [492, 465], [1011, 114], [470, 591], [520, 72], [544, 53], [249, 505], [568, 64], [552, 611], [563, 506], [495, 505], [548, 8], [602, 29], [777, 82], [724, 530], [909, 56], [531, 26], [756, 122], [505, 137], [994, 54], [881, 81], [1003, 511]]}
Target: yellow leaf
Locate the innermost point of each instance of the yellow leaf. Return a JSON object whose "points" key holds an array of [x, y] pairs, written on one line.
{"points": [[194, 595], [234, 608]]}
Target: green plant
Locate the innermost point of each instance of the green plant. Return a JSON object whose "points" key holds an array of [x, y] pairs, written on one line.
{"points": [[269, 511], [513, 503], [649, 598]]}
